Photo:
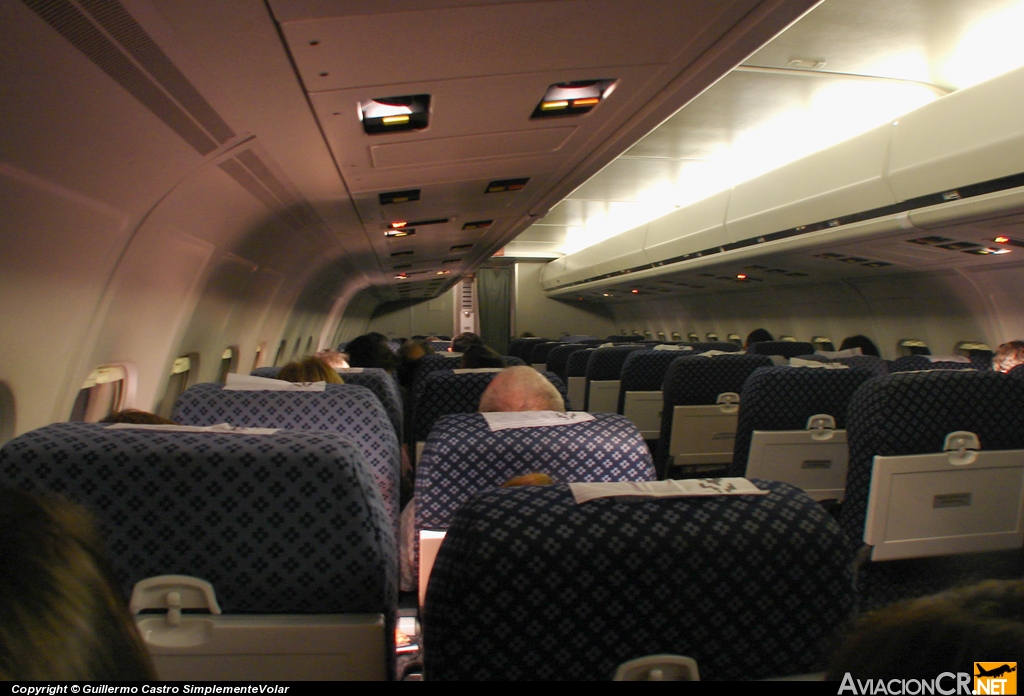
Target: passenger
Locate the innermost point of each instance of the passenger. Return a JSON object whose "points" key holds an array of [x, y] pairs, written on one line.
{"points": [[62, 617], [311, 369], [409, 354], [478, 355], [757, 336], [339, 361], [518, 388], [370, 350], [947, 632], [1008, 356], [521, 388], [866, 345], [136, 417], [528, 334], [463, 341]]}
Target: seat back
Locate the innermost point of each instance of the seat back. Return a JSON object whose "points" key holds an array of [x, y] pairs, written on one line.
{"points": [[558, 357], [700, 381], [512, 361], [784, 400], [290, 529], [531, 585], [604, 368], [348, 409], [640, 397], [916, 363], [539, 353], [787, 349], [866, 362], [440, 346], [576, 376], [521, 347], [375, 379], [912, 413]]}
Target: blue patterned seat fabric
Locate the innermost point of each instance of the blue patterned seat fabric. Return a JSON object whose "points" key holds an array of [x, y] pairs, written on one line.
{"points": [[911, 413], [914, 363], [351, 410], [530, 585], [559, 357], [578, 338], [521, 347], [375, 379], [697, 381], [606, 364], [644, 370], [867, 362], [577, 363], [440, 346], [783, 398], [539, 351], [512, 361], [1017, 371], [463, 457], [290, 523], [445, 393], [787, 349], [724, 346]]}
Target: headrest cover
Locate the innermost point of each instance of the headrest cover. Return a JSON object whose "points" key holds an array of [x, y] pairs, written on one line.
{"points": [[506, 420], [672, 488], [237, 382]]}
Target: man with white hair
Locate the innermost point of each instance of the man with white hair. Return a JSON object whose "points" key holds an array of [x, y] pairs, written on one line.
{"points": [[521, 388], [518, 388]]}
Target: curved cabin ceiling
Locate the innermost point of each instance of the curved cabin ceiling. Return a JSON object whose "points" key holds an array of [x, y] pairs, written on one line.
{"points": [[843, 69]]}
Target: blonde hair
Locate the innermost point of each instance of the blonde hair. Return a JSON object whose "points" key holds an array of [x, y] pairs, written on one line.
{"points": [[311, 369], [1008, 356]]}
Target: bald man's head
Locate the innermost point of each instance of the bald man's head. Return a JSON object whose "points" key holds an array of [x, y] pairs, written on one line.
{"points": [[521, 388]]}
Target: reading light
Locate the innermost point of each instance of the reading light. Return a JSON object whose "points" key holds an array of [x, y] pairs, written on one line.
{"points": [[396, 225], [395, 114], [635, 291], [443, 272], [394, 234], [1001, 240], [741, 276], [572, 98]]}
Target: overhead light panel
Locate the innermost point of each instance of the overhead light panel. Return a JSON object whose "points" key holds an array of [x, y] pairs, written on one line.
{"points": [[400, 232], [462, 247], [572, 98], [395, 114], [398, 196], [502, 185]]}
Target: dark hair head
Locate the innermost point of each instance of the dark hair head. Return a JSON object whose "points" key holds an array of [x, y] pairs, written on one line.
{"points": [[947, 632], [464, 340], [409, 354], [758, 336], [135, 417], [311, 369], [866, 345], [370, 350], [479, 355], [61, 616]]}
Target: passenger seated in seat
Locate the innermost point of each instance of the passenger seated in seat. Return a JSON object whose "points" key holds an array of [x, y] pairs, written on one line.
{"points": [[136, 417], [947, 632], [462, 342], [409, 355], [521, 388], [757, 336], [61, 615], [311, 369], [1008, 356], [370, 350], [479, 356], [333, 359], [866, 345]]}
